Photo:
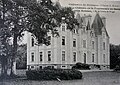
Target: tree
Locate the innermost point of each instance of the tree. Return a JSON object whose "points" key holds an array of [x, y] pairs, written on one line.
{"points": [[4, 36], [38, 18], [17, 27], [4, 50], [21, 61], [44, 17], [114, 55]]}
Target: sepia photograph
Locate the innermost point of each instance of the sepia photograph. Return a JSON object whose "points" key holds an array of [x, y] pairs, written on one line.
{"points": [[59, 42]]}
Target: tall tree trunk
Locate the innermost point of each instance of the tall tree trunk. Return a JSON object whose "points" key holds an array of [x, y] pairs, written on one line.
{"points": [[4, 58], [4, 67], [13, 59]]}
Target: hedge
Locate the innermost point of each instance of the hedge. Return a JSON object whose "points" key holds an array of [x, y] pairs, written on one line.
{"points": [[53, 74], [81, 66]]}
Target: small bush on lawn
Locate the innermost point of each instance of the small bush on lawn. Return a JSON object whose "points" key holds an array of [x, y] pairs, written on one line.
{"points": [[117, 68], [53, 74], [81, 66]]}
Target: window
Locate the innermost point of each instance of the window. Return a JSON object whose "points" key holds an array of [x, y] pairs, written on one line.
{"points": [[40, 67], [41, 55], [64, 66], [84, 43], [103, 45], [74, 56], [84, 57], [52, 67], [93, 43], [32, 42], [82, 32], [103, 35], [74, 42], [92, 57], [49, 38], [49, 55], [63, 55], [63, 40], [32, 57], [63, 27], [84, 29], [91, 33], [74, 31], [104, 58], [32, 66]]}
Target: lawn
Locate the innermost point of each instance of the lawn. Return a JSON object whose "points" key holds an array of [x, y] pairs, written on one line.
{"points": [[89, 78]]}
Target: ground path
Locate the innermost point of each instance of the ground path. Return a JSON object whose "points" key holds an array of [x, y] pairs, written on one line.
{"points": [[94, 77]]}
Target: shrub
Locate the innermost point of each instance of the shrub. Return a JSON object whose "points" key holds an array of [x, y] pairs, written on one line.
{"points": [[81, 66], [117, 68], [53, 74]]}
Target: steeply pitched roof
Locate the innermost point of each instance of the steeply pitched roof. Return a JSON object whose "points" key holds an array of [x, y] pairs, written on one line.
{"points": [[79, 19], [58, 4], [88, 26], [106, 33], [97, 24]]}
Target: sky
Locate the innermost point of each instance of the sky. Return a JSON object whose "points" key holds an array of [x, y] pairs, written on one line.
{"points": [[112, 19]]}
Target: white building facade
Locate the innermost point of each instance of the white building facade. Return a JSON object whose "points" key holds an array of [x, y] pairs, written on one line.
{"points": [[87, 43]]}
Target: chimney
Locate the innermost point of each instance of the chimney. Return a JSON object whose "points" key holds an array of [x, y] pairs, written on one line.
{"points": [[104, 21]]}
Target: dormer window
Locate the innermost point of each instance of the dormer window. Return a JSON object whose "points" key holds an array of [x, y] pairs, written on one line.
{"points": [[63, 27], [103, 35], [91, 34], [84, 29], [74, 31]]}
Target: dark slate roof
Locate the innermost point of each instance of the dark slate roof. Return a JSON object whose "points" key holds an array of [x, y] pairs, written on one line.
{"points": [[106, 32], [79, 19], [58, 4], [97, 24]]}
